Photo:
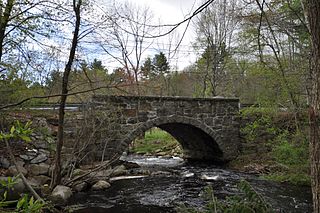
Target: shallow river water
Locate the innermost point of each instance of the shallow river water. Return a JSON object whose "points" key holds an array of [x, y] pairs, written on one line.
{"points": [[174, 182]]}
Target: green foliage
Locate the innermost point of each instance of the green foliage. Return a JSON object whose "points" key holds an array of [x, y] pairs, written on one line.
{"points": [[8, 184], [29, 205], [248, 202], [289, 146], [18, 131], [155, 141], [158, 66], [17, 89], [146, 68], [261, 123], [5, 186], [24, 204], [290, 153]]}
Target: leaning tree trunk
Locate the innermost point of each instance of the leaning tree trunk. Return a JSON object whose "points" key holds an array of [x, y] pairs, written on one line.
{"points": [[313, 12], [56, 177]]}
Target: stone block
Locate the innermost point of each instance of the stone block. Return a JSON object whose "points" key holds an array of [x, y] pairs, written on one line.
{"points": [[208, 121], [129, 112], [143, 105]]}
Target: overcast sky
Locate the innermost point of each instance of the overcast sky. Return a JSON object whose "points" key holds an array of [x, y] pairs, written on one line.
{"points": [[171, 12]]}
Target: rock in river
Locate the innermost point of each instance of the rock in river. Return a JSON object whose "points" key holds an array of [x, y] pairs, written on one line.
{"points": [[100, 185], [61, 194], [79, 187]]}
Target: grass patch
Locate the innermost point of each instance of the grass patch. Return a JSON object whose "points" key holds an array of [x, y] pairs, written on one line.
{"points": [[156, 141]]}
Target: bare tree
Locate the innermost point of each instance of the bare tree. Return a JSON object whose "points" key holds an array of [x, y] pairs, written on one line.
{"points": [[124, 38], [215, 29], [56, 177]]}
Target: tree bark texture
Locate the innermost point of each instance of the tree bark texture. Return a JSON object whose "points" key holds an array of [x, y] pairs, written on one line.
{"points": [[4, 19], [313, 14], [56, 176]]}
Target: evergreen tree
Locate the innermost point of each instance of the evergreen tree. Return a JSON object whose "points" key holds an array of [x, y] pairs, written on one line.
{"points": [[160, 64], [146, 68]]}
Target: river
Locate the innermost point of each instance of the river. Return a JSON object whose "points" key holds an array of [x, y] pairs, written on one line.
{"points": [[174, 181]]}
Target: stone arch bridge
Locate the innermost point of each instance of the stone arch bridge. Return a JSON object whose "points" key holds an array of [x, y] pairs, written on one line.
{"points": [[206, 128]]}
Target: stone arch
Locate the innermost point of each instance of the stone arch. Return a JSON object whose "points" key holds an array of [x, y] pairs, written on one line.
{"points": [[206, 146]]}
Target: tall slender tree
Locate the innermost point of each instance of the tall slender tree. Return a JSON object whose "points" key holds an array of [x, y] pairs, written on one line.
{"points": [[56, 178], [312, 8]]}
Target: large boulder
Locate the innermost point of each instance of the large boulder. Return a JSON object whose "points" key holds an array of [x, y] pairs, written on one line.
{"points": [[20, 163], [38, 169], [119, 170], [100, 185], [130, 165], [61, 194]]}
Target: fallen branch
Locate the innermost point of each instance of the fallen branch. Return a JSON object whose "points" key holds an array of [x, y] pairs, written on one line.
{"points": [[102, 165]]}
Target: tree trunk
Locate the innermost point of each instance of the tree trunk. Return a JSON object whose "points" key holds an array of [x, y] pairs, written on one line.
{"points": [[4, 19], [313, 13], [56, 176]]}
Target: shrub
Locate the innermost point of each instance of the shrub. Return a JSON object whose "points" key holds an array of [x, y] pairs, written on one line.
{"points": [[259, 121], [288, 144], [291, 154]]}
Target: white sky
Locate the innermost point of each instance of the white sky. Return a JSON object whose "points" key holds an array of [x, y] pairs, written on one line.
{"points": [[171, 12], [165, 12]]}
